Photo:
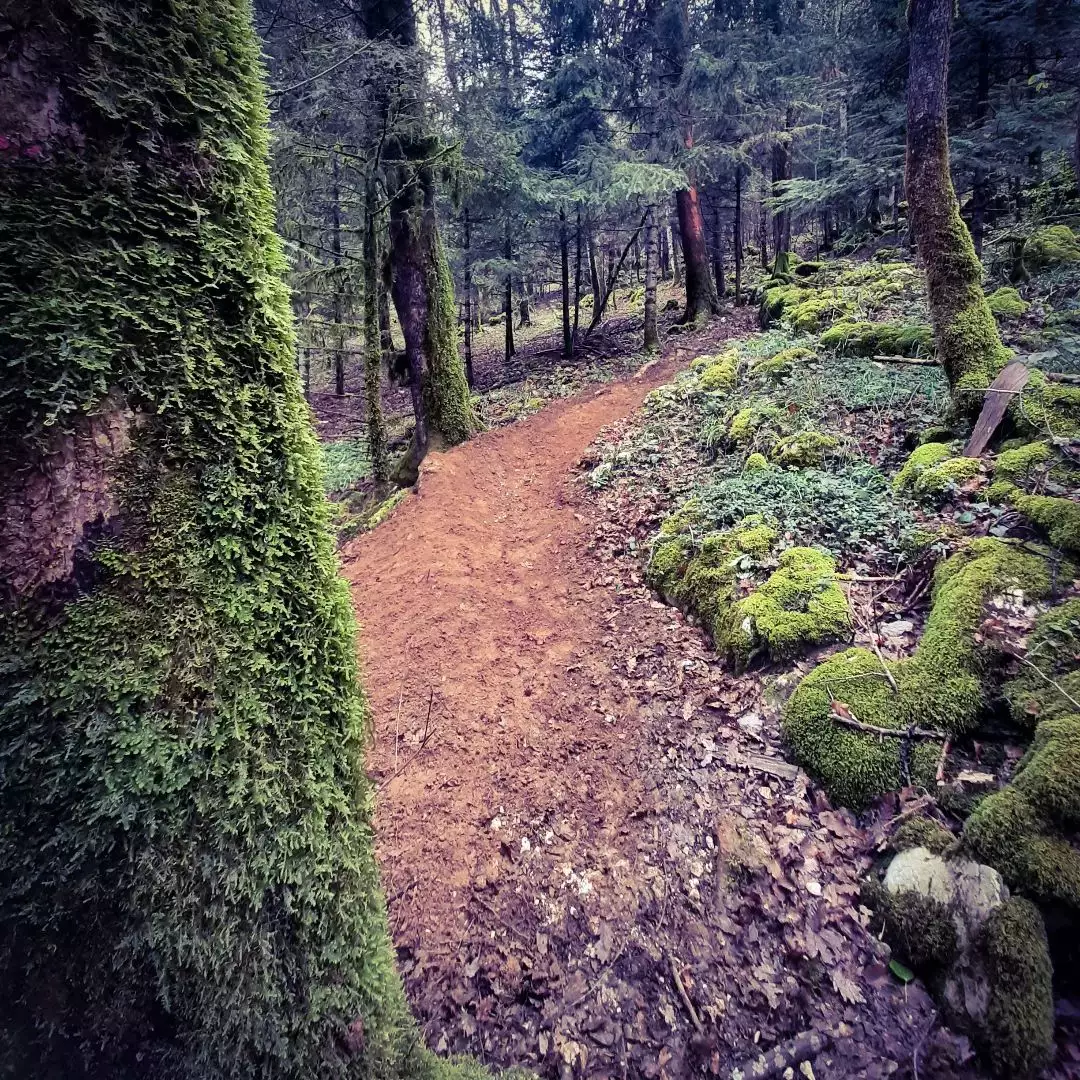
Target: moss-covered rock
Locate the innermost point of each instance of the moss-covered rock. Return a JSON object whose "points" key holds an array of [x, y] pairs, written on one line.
{"points": [[1008, 832], [942, 686], [812, 315], [799, 604], [756, 463], [945, 479], [923, 832], [1057, 516], [780, 364], [1054, 650], [758, 421], [924, 457], [874, 339], [918, 928], [779, 297], [1007, 303], [804, 449], [1018, 1040], [1051, 245], [719, 373], [1047, 406], [1023, 465]]}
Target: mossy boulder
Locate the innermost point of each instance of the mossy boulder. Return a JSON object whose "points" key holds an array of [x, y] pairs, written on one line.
{"points": [[779, 297], [1050, 686], [943, 686], [1051, 245], [873, 339], [1018, 1038], [1008, 831], [812, 315], [721, 373], [799, 604], [756, 463], [918, 928], [760, 421], [1046, 406], [780, 364], [1056, 516], [1007, 303], [804, 449], [933, 474]]}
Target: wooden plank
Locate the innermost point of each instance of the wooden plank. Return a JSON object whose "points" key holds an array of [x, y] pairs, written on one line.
{"points": [[772, 766], [1010, 381]]}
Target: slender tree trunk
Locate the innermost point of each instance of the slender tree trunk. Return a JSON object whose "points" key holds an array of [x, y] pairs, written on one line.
{"points": [[763, 225], [564, 266], [386, 333], [652, 340], [665, 253], [449, 60], [718, 248], [979, 192], [676, 248], [187, 881], [467, 238], [376, 426], [577, 282], [594, 270], [781, 173], [737, 231], [338, 301], [964, 329], [508, 310]]}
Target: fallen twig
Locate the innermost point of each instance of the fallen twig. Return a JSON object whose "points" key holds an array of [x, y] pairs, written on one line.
{"points": [[910, 732], [428, 732], [805, 1045], [918, 361], [685, 997], [939, 774]]}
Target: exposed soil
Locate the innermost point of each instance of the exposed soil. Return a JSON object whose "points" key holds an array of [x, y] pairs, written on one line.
{"points": [[595, 860]]}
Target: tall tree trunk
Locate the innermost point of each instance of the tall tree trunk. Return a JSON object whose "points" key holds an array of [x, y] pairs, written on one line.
{"points": [[423, 290], [594, 270], [187, 881], [652, 340], [701, 300], [564, 266], [577, 281], [979, 192], [449, 60], [338, 308], [763, 225], [781, 174], [665, 253], [376, 426], [737, 235], [964, 329], [718, 247], [467, 245], [676, 247], [508, 299]]}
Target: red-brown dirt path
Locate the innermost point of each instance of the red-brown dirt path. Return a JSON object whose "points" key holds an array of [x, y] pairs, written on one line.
{"points": [[588, 870], [468, 599]]}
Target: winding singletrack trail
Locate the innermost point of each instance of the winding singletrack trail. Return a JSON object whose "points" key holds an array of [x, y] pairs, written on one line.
{"points": [[470, 601], [588, 869]]}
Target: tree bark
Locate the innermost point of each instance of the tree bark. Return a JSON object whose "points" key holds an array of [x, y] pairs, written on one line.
{"points": [[376, 425], [965, 333], [467, 245], [665, 253], [338, 307], [781, 173], [676, 247], [187, 881], [652, 340], [718, 247], [737, 231], [564, 267], [577, 281], [701, 301]]}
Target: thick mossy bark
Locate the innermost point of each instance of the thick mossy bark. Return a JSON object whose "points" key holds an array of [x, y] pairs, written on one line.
{"points": [[965, 333], [187, 881]]}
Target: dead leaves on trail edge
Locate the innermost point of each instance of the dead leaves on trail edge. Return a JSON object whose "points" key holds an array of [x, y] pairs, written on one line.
{"points": [[725, 872]]}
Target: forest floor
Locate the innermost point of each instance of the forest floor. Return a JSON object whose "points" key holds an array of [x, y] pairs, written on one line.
{"points": [[597, 863]]}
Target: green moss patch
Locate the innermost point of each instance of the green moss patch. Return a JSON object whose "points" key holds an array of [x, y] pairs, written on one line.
{"points": [[1054, 649], [720, 373], [804, 449], [874, 339], [923, 832], [1051, 245], [942, 686], [1007, 303], [800, 604], [1019, 1034]]}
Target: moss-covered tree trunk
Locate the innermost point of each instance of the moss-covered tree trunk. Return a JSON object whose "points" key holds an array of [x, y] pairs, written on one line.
{"points": [[376, 425], [965, 333], [422, 288], [187, 883]]}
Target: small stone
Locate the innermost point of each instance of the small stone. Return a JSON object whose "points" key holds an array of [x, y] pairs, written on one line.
{"points": [[751, 723]]}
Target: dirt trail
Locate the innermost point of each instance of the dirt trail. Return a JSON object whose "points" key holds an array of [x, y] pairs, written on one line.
{"points": [[470, 600], [589, 871]]}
